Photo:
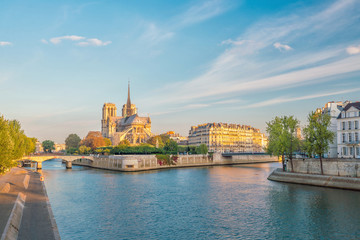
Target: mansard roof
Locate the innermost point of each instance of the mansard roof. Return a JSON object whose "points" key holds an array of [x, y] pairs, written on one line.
{"points": [[349, 105]]}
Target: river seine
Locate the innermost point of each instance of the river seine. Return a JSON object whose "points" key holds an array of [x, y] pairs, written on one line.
{"points": [[222, 202]]}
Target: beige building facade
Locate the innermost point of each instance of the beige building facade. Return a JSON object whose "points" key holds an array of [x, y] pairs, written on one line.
{"points": [[224, 137], [129, 126]]}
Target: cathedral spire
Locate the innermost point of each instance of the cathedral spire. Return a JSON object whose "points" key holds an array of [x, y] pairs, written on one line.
{"points": [[128, 103]]}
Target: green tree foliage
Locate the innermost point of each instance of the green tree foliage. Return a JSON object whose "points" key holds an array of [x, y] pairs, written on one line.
{"points": [[18, 138], [124, 142], [48, 146], [282, 137], [72, 141], [107, 142], [170, 146], [202, 149], [13, 143], [156, 140], [30, 145], [84, 149], [72, 150], [317, 135], [6, 146]]}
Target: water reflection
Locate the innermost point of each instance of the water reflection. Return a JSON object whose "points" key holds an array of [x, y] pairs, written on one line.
{"points": [[235, 202]]}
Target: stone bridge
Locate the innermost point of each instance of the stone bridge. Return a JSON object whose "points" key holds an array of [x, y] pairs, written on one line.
{"points": [[68, 159]]}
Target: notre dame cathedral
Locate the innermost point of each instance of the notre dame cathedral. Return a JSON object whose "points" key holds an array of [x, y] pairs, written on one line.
{"points": [[128, 126]]}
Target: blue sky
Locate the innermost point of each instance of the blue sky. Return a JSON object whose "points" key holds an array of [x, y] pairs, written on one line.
{"points": [[189, 62]]}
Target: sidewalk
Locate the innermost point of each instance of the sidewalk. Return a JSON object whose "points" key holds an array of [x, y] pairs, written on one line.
{"points": [[37, 220]]}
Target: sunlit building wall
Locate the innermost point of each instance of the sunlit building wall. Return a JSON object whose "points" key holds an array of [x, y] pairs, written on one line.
{"points": [[224, 137]]}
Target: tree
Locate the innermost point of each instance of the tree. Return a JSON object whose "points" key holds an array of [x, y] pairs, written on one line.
{"points": [[18, 139], [94, 139], [6, 145], [48, 146], [170, 146], [317, 135], [124, 142], [202, 149], [107, 142], [156, 141], [30, 145], [13, 143], [283, 140], [84, 149], [72, 141]]}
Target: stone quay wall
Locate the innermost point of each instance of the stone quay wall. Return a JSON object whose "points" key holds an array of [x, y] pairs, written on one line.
{"points": [[332, 167], [352, 183], [150, 162]]}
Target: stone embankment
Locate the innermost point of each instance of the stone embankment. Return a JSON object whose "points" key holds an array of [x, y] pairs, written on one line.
{"points": [[338, 173], [25, 212], [135, 163], [343, 167], [350, 183]]}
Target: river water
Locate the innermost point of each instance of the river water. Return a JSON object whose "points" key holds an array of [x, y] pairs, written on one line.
{"points": [[222, 202]]}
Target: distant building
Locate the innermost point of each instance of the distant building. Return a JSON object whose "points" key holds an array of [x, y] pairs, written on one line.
{"points": [[38, 147], [348, 131], [224, 137], [180, 140], [333, 109], [59, 147], [128, 126]]}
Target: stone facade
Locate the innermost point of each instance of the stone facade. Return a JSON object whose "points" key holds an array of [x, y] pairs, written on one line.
{"points": [[348, 129], [333, 109], [224, 137], [129, 126]]}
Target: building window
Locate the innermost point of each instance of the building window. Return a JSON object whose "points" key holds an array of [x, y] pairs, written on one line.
{"points": [[343, 115], [343, 125], [349, 122], [344, 151], [356, 137], [350, 151], [343, 137], [356, 124], [350, 137], [357, 151]]}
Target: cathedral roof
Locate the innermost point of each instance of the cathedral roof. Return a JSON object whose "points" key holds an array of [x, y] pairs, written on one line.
{"points": [[134, 119]]}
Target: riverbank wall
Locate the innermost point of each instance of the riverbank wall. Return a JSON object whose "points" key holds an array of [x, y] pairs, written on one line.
{"points": [[349, 183], [134, 163], [342, 167]]}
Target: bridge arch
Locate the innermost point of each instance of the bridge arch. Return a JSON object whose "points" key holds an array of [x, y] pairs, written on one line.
{"points": [[68, 159]]}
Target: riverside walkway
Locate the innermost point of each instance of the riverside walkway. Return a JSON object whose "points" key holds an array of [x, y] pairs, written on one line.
{"points": [[25, 212]]}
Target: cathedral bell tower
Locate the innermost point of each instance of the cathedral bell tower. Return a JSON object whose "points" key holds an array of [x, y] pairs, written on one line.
{"points": [[107, 123]]}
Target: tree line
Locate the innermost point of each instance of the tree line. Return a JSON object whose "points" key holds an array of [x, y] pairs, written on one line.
{"points": [[14, 144], [95, 143], [284, 140]]}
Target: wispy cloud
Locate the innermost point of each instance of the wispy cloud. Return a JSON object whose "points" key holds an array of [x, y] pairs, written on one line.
{"points": [[93, 42], [353, 50], [57, 40], [281, 100], [155, 33], [81, 41], [282, 47], [246, 67], [203, 11], [233, 42], [2, 43]]}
